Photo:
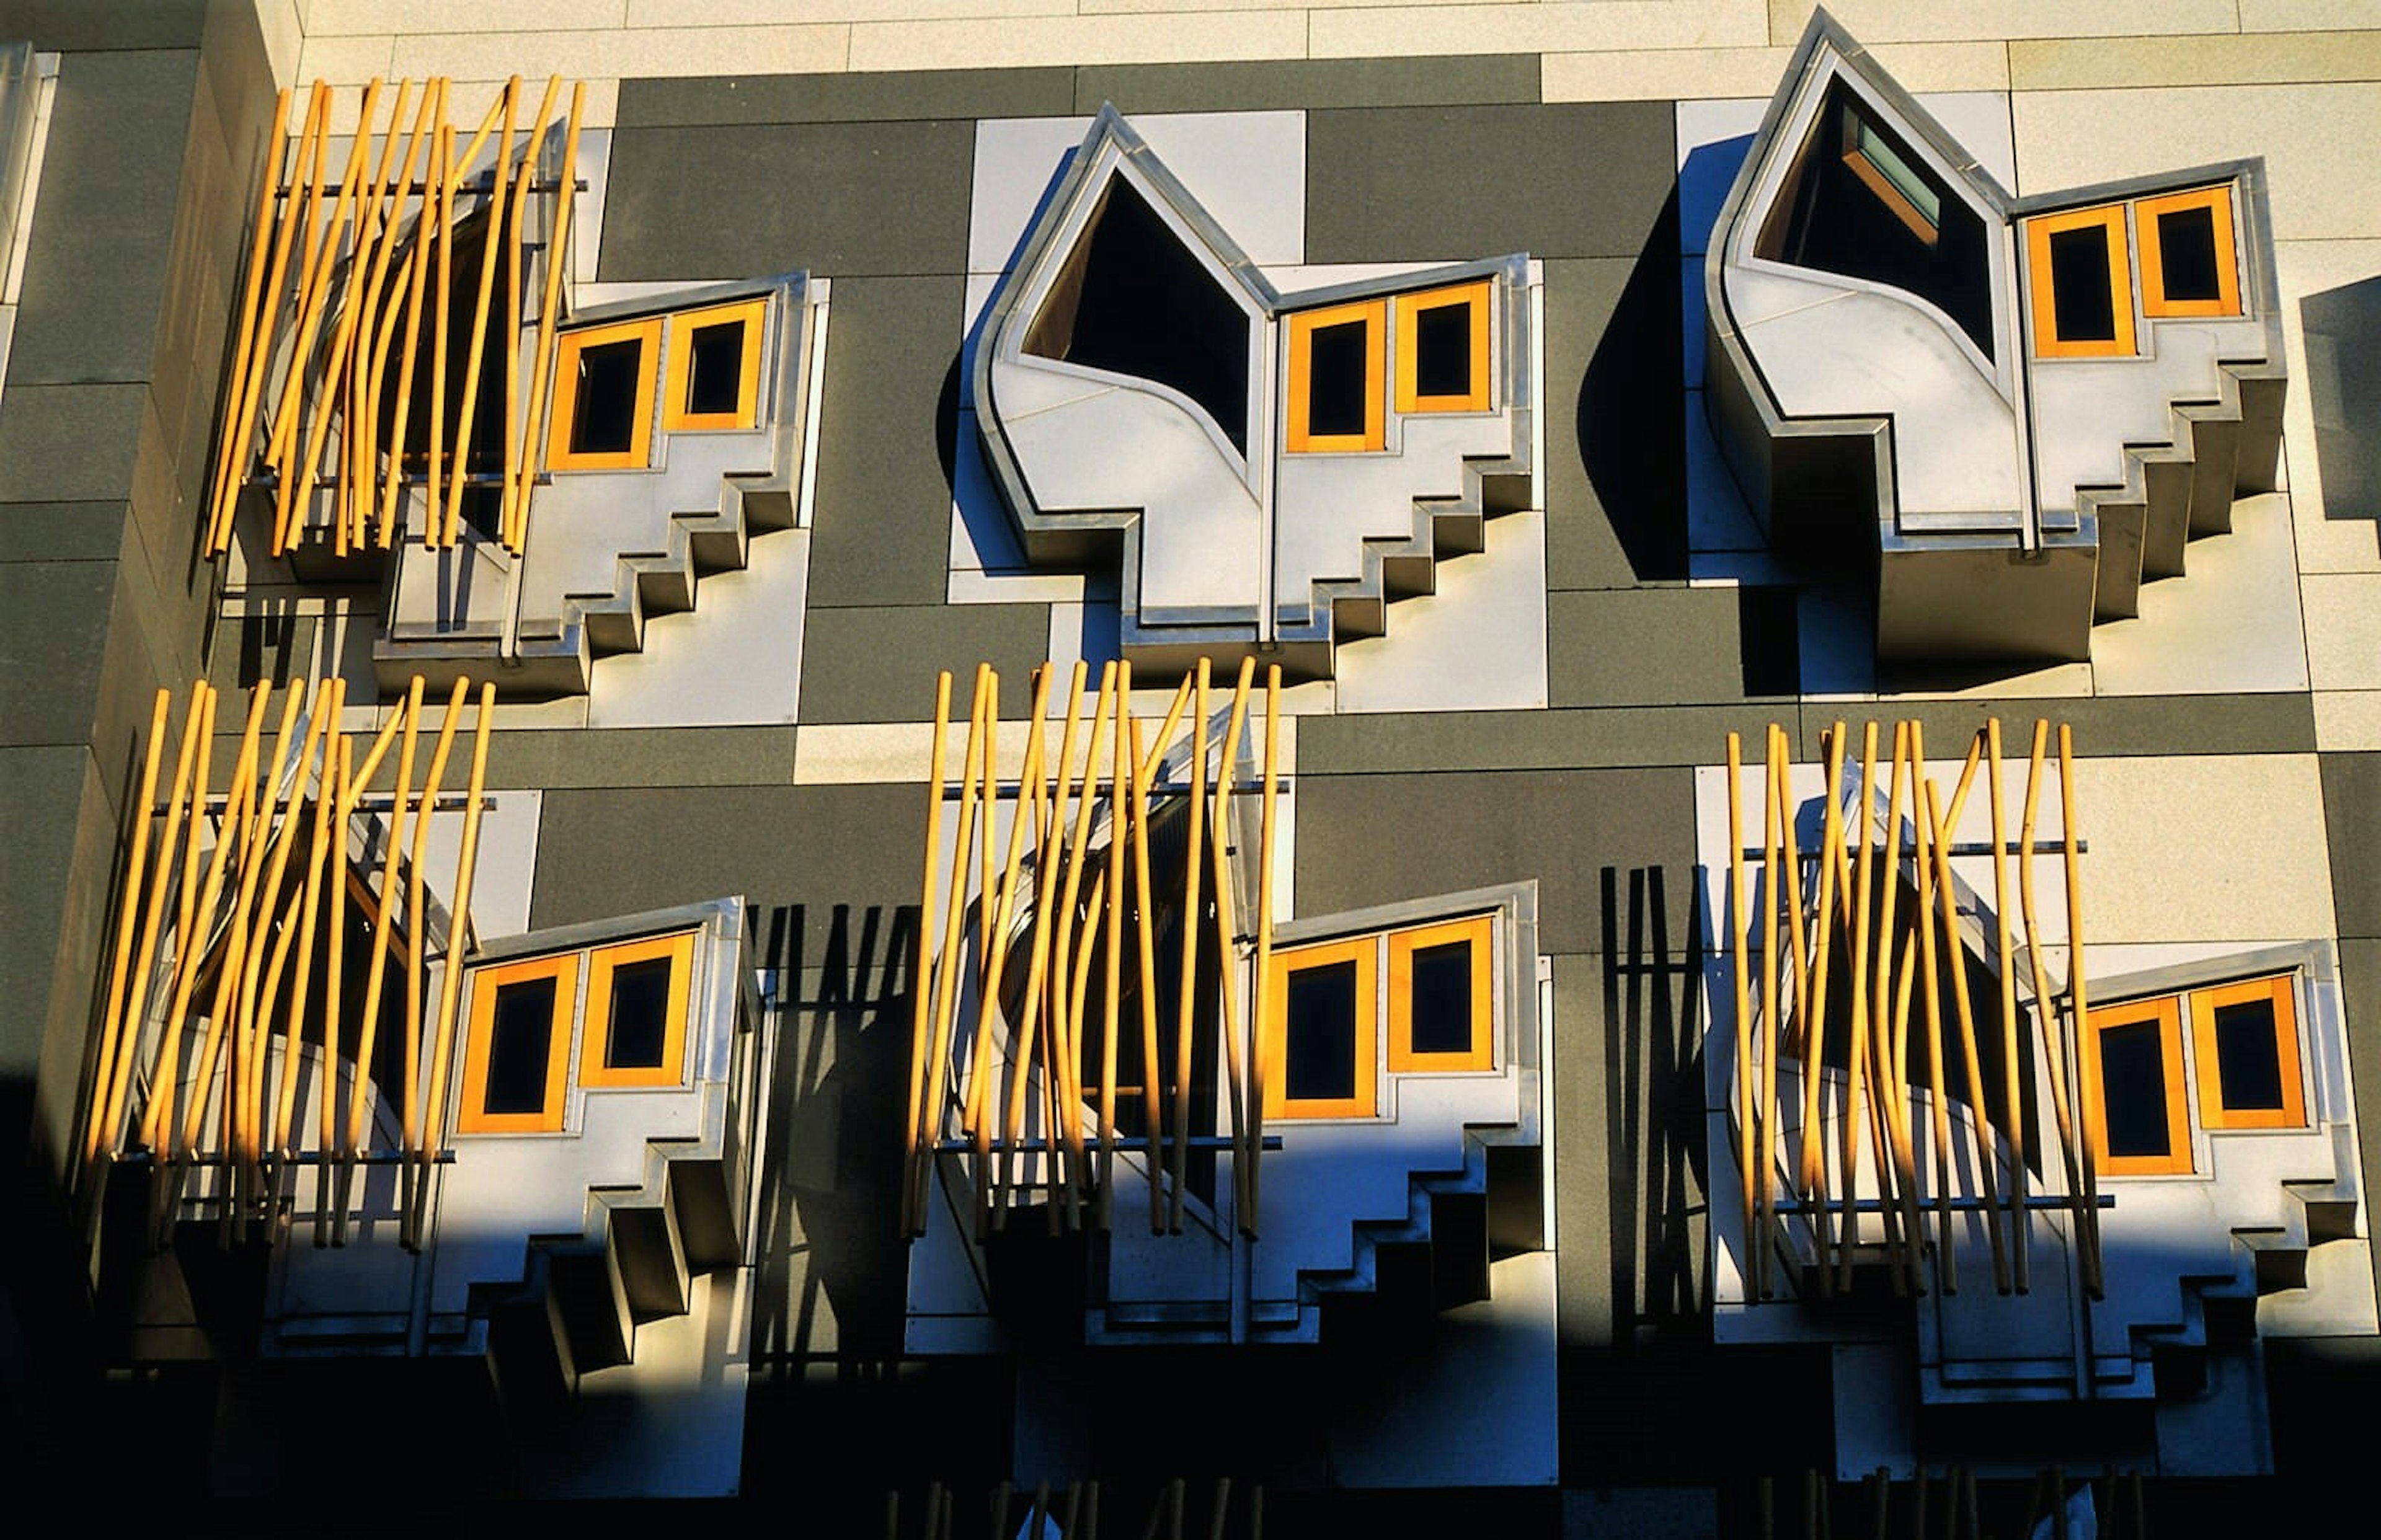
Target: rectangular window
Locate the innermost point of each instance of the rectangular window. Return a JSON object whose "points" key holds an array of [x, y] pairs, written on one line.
{"points": [[1886, 169], [1443, 349], [2188, 264], [518, 1045], [1439, 998], [715, 368], [2080, 271], [1321, 1047], [602, 417], [1336, 359], [636, 1013], [2141, 1124], [2245, 1040]]}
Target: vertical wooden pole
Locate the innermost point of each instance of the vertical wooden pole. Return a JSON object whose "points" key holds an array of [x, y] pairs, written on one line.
{"points": [[429, 241], [1738, 923], [330, 697], [434, 521], [158, 1123], [458, 933], [1755, 1094], [1112, 961], [1226, 953], [1028, 1032], [384, 916], [983, 1071], [135, 866], [1980, 1142], [1853, 1104], [417, 918], [557, 256], [946, 976], [2012, 1104], [921, 994], [1144, 904], [1813, 1164], [230, 448], [351, 308], [1186, 1010], [2087, 1090], [1261, 1014], [493, 237], [1947, 1259], [516, 226], [1068, 1053], [2045, 1006]]}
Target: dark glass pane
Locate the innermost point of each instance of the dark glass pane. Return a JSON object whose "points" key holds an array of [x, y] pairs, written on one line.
{"points": [[1334, 379], [1319, 1050], [1443, 350], [2248, 1058], [520, 1039], [603, 414], [715, 377], [1442, 999], [641, 998], [2080, 293], [2187, 255], [2132, 1087]]}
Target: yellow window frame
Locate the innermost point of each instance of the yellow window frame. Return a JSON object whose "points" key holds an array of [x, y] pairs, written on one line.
{"points": [[1409, 309], [2109, 219], [2281, 989], [682, 327], [486, 983], [595, 1043], [2217, 201], [2166, 1011], [560, 455], [1482, 1055], [1303, 325], [1364, 952]]}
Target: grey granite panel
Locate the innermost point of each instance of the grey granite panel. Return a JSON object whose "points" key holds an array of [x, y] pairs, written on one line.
{"points": [[251, 647], [1645, 646], [1584, 1196], [613, 757], [872, 98], [1404, 184], [1517, 739], [2351, 815], [68, 444], [2104, 727], [1308, 84], [102, 232], [1616, 450], [2360, 983], [45, 787], [94, 25], [53, 636], [62, 532], [1373, 839], [834, 198], [879, 664], [881, 532]]}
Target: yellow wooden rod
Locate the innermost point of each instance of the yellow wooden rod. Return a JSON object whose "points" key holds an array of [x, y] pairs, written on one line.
{"points": [[111, 1021], [478, 140], [946, 977], [557, 260], [1853, 1104], [494, 236], [350, 305], [376, 488], [1085, 946], [1981, 1144], [301, 257], [1967, 781], [983, 1072], [194, 722], [1144, 908], [1889, 891], [458, 931], [244, 336], [163, 1081], [1739, 923], [334, 989], [987, 869], [2087, 1091], [383, 915], [1755, 1083], [1227, 958], [429, 237], [1946, 1255], [1119, 829], [1811, 1165], [1185, 1009], [922, 999], [523, 174], [1146, 765], [328, 700], [1044, 928], [192, 917], [2013, 1108], [416, 926], [1905, 1152], [1086, 800], [1031, 815], [2043, 1004], [433, 520], [1797, 933], [249, 1054], [1262, 1012], [369, 353]]}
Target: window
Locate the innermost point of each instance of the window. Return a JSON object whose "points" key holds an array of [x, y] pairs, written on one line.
{"points": [[1439, 1015], [1885, 169], [2134, 1052], [1443, 349], [2189, 267], [604, 398], [518, 1045], [1319, 1051], [714, 369], [2244, 1038], [636, 1013], [1336, 387], [2082, 277]]}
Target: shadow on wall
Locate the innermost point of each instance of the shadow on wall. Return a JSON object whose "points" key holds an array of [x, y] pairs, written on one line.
{"points": [[2343, 382], [1632, 436], [1655, 1071]]}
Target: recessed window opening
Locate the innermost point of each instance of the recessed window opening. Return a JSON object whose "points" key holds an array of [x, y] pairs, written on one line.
{"points": [[2190, 264], [638, 1014], [1133, 300], [2133, 1072], [1334, 380], [2141, 1126], [2080, 287], [518, 1045], [1442, 999], [1321, 1041], [603, 415], [1319, 1048], [1337, 387], [2187, 255], [2079, 266], [517, 1050], [2247, 1039], [604, 389], [1443, 350], [715, 374]]}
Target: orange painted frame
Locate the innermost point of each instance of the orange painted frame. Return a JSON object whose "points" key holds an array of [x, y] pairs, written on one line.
{"points": [[1363, 951], [1408, 308], [1482, 1055], [676, 418], [2213, 1114], [1374, 313], [2109, 218], [473, 1117], [2167, 1011], [596, 1041], [2217, 201], [570, 345]]}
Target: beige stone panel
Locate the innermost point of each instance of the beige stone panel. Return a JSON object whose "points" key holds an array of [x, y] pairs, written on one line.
{"points": [[2347, 720], [739, 13], [343, 59], [1137, 7], [2290, 16], [469, 101], [2314, 138], [2255, 59], [1875, 21], [348, 18], [2343, 624], [787, 50], [1031, 41], [900, 753], [1550, 28], [284, 30], [1691, 74], [2225, 848], [2306, 268]]}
